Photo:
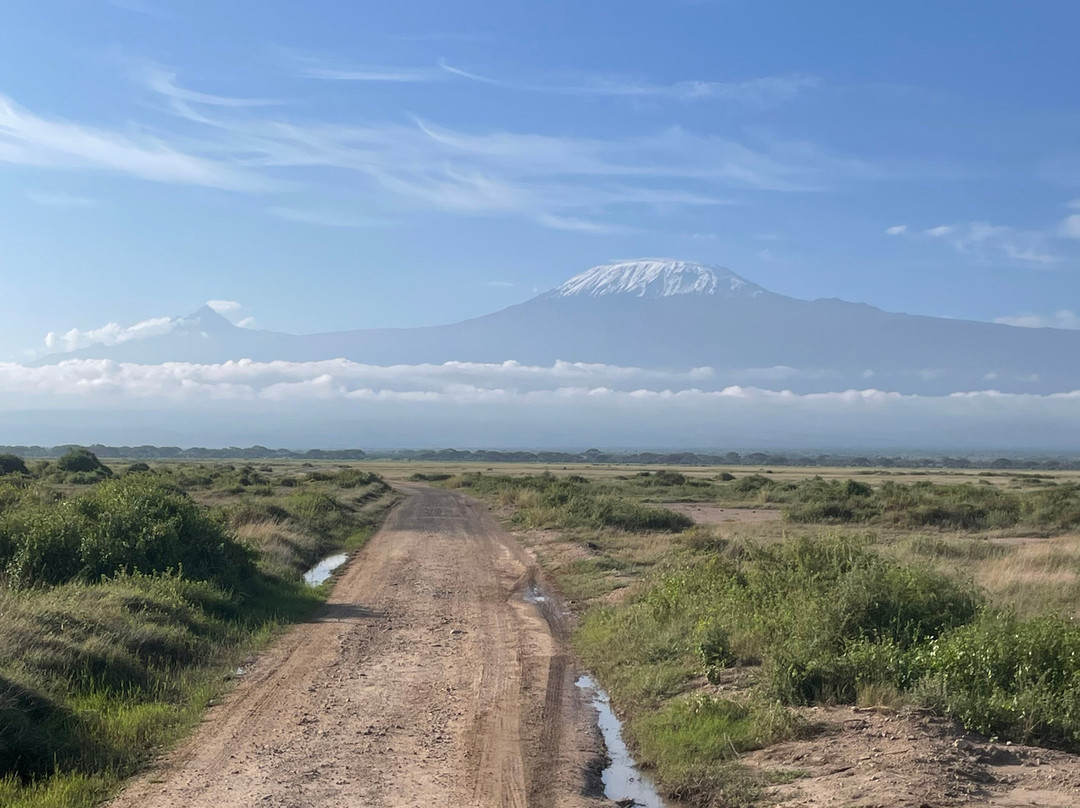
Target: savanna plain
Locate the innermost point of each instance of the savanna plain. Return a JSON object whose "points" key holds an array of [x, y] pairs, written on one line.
{"points": [[773, 636]]}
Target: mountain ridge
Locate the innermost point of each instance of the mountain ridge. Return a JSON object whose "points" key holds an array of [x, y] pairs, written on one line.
{"points": [[670, 315]]}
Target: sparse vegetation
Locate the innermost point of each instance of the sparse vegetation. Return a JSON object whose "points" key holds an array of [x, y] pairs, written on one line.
{"points": [[571, 502], [963, 506]]}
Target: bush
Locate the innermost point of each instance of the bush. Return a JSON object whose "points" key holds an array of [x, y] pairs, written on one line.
{"points": [[1014, 678], [12, 464], [83, 460], [429, 477], [135, 523]]}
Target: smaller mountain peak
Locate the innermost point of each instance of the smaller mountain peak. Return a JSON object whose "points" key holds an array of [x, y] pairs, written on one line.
{"points": [[655, 278], [207, 318]]}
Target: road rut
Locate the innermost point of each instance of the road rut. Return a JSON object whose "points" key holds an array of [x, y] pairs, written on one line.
{"points": [[427, 680]]}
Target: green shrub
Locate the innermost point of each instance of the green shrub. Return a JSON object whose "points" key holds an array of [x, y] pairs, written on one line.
{"points": [[135, 523], [1000, 675], [12, 464], [432, 477], [82, 460]]}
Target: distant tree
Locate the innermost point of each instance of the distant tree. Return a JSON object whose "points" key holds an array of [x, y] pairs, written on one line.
{"points": [[12, 464], [80, 459]]}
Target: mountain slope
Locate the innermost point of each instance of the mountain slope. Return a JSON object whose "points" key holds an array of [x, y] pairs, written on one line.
{"points": [[675, 315]]}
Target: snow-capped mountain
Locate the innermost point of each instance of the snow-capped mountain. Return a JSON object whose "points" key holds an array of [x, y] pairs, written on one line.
{"points": [[656, 278], [673, 315]]}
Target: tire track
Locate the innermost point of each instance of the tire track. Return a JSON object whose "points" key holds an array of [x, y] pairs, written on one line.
{"points": [[427, 680]]}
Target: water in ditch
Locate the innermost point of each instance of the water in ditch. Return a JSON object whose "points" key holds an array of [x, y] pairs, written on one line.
{"points": [[622, 780], [324, 569]]}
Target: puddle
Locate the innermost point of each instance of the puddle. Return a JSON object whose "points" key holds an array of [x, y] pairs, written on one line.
{"points": [[324, 569], [622, 780], [533, 595]]}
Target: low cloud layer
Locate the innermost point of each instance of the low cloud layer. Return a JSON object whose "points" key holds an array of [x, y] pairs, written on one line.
{"points": [[458, 403], [113, 333], [1065, 318], [108, 334]]}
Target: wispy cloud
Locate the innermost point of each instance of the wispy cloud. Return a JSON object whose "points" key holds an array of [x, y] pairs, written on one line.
{"points": [[580, 225], [323, 218], [54, 199], [499, 284], [310, 66], [1059, 319], [757, 91], [163, 81], [595, 185], [939, 231], [761, 91], [1070, 227], [988, 242], [370, 73], [983, 239], [29, 139]]}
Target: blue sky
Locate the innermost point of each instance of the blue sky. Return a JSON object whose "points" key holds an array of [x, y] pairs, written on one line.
{"points": [[341, 165]]}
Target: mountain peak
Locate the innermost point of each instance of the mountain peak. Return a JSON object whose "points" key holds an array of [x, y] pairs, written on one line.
{"points": [[657, 277], [206, 318]]}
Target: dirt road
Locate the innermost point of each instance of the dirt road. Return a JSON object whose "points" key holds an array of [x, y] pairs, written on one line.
{"points": [[431, 679]]}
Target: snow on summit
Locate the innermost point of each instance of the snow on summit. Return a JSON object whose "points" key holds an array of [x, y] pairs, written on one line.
{"points": [[656, 278]]}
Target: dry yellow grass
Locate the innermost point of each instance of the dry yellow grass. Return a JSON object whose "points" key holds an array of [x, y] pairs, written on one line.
{"points": [[1036, 578], [277, 542]]}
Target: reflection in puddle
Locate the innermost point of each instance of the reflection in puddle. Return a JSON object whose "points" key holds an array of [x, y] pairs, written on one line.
{"points": [[622, 780], [324, 569]]}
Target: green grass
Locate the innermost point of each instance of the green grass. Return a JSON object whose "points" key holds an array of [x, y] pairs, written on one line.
{"points": [[693, 744], [140, 604]]}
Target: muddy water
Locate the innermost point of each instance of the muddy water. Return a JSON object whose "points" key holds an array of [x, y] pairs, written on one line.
{"points": [[324, 569], [622, 780]]}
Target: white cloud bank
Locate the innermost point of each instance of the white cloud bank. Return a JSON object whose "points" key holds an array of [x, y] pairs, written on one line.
{"points": [[338, 402]]}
